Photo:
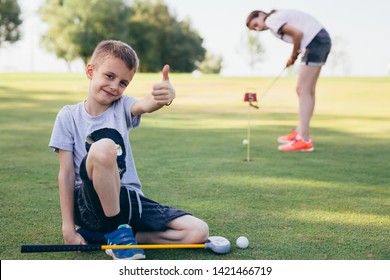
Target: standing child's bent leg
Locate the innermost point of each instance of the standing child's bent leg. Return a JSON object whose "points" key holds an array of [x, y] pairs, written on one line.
{"points": [[306, 88]]}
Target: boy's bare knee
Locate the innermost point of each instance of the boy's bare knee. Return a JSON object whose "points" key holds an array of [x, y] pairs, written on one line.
{"points": [[199, 233], [203, 231], [103, 152]]}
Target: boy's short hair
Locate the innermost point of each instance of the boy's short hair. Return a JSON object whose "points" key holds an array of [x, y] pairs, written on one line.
{"points": [[116, 49]]}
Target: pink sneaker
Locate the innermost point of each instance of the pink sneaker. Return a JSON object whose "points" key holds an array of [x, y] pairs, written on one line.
{"points": [[297, 145]]}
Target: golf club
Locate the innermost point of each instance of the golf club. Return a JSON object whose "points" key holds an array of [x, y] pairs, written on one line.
{"points": [[217, 244], [272, 83]]}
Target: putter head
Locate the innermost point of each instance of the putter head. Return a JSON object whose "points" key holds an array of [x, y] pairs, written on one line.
{"points": [[218, 244]]}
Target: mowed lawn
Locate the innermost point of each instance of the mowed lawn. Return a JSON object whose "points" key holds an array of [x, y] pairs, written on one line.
{"points": [[333, 203]]}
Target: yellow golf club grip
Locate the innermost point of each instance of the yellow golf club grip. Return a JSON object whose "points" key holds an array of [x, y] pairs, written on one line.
{"points": [[155, 246]]}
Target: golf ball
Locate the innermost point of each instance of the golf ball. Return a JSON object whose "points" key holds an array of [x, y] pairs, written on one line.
{"points": [[245, 142], [242, 242]]}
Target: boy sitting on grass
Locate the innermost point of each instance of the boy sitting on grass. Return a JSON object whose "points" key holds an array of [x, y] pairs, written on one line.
{"points": [[99, 187]]}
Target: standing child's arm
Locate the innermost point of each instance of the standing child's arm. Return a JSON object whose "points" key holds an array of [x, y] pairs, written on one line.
{"points": [[297, 38], [66, 180], [162, 94]]}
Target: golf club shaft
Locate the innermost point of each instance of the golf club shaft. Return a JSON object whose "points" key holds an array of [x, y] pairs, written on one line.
{"points": [[91, 247], [155, 246], [272, 83]]}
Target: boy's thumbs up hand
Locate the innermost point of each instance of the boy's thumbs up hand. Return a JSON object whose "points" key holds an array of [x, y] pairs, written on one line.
{"points": [[164, 92]]}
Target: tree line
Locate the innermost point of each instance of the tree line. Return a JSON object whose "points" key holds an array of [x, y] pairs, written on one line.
{"points": [[76, 26]]}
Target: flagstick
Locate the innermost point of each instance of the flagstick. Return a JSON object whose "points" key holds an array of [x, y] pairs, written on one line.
{"points": [[248, 148], [249, 97]]}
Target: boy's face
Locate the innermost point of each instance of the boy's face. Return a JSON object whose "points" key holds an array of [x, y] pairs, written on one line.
{"points": [[108, 80]]}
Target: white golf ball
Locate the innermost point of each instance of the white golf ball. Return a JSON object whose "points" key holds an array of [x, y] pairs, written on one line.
{"points": [[245, 142], [242, 242]]}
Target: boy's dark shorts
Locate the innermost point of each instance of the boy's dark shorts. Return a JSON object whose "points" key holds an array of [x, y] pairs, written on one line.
{"points": [[318, 50], [141, 213]]}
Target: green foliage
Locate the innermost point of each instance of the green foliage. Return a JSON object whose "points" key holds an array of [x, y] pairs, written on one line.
{"points": [[76, 26], [160, 39], [330, 204], [9, 21], [188, 48]]}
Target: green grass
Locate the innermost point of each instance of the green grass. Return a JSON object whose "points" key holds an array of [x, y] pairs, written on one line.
{"points": [[330, 204]]}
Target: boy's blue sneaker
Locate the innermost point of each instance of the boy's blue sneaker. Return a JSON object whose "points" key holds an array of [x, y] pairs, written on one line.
{"points": [[123, 236]]}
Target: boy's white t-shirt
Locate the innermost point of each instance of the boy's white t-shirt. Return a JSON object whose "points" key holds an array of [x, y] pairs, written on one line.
{"points": [[73, 125], [306, 23]]}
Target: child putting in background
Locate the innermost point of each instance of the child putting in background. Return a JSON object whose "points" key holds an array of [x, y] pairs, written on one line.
{"points": [[99, 187], [312, 41]]}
